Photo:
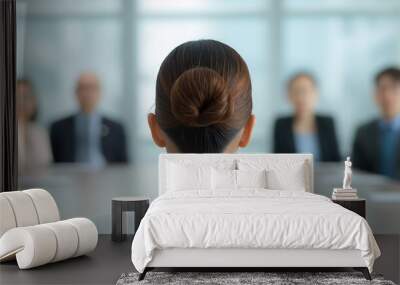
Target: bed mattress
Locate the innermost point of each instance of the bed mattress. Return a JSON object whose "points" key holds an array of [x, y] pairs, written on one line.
{"points": [[250, 219]]}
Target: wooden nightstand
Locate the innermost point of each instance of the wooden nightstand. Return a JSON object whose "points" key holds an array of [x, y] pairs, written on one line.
{"points": [[357, 206]]}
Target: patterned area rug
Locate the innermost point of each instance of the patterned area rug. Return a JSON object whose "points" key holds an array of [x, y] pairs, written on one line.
{"points": [[233, 278]]}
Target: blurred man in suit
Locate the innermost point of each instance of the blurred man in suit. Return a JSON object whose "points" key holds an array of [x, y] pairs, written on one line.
{"points": [[88, 137], [376, 147]]}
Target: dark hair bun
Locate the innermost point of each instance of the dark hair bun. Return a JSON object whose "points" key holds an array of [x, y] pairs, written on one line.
{"points": [[199, 98]]}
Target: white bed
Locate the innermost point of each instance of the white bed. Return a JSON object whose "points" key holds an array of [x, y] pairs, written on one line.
{"points": [[282, 226]]}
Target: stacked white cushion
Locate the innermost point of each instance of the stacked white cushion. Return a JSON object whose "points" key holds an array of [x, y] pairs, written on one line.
{"points": [[32, 246], [7, 220], [87, 234], [52, 242], [31, 232], [66, 236], [46, 207], [27, 208], [23, 208]]}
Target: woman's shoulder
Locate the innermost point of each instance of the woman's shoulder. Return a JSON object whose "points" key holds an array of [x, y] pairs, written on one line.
{"points": [[285, 119], [324, 118], [35, 129]]}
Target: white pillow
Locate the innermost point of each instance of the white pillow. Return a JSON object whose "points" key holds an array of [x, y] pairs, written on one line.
{"points": [[282, 173], [278, 181], [223, 179], [235, 179], [188, 177], [251, 178]]}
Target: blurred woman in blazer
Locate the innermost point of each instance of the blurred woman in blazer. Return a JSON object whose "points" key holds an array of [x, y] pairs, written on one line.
{"points": [[305, 131]]}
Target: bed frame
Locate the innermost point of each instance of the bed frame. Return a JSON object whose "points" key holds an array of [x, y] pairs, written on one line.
{"points": [[234, 259], [245, 259]]}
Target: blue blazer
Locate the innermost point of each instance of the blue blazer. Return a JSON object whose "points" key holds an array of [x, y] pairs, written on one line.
{"points": [[113, 140], [366, 149]]}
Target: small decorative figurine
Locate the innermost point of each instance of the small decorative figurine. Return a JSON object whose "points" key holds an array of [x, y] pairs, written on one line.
{"points": [[347, 174], [346, 192]]}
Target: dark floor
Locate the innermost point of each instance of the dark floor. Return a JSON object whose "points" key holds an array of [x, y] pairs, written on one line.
{"points": [[110, 260]]}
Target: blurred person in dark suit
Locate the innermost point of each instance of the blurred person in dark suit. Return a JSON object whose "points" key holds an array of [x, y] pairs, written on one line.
{"points": [[33, 141], [88, 137], [305, 131], [376, 146]]}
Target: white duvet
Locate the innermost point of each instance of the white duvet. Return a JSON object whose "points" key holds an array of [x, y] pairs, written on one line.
{"points": [[250, 218]]}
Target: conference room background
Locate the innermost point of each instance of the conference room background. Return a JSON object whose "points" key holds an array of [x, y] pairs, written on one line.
{"points": [[343, 43]]}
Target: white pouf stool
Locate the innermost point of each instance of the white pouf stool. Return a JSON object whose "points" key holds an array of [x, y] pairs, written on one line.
{"points": [[31, 231]]}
